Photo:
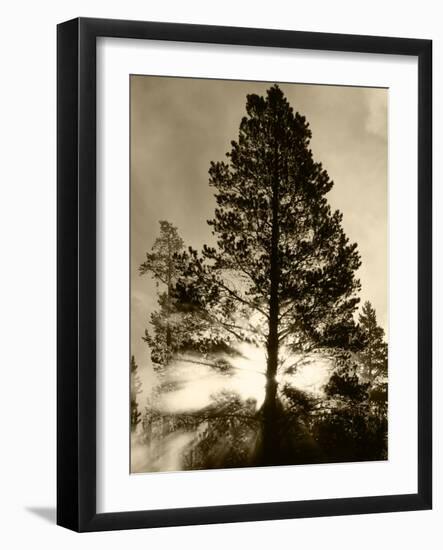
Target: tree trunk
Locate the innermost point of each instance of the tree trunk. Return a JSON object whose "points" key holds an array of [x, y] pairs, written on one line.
{"points": [[270, 435], [269, 432]]}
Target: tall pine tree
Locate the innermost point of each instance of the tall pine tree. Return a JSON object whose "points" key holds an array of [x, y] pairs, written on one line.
{"points": [[283, 270]]}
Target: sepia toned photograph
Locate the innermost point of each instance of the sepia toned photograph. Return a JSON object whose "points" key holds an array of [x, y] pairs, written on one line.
{"points": [[259, 274]]}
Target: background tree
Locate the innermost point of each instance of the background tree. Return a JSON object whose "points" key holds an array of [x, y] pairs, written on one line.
{"points": [[164, 266], [136, 386], [374, 355], [177, 328], [283, 271]]}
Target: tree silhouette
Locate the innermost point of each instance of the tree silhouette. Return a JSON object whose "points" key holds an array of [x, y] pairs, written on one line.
{"points": [[163, 263], [136, 386], [283, 272], [374, 355], [175, 327]]}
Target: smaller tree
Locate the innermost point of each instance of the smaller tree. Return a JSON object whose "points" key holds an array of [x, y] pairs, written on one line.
{"points": [[178, 327], [162, 262], [136, 387], [373, 358], [164, 266]]}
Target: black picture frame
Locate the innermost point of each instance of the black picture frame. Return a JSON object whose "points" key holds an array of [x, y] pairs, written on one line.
{"points": [[76, 280]]}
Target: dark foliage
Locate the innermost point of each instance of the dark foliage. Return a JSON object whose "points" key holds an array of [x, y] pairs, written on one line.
{"points": [[352, 423], [135, 389], [373, 357]]}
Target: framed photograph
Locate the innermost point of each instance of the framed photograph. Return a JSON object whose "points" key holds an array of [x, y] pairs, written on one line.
{"points": [[244, 274]]}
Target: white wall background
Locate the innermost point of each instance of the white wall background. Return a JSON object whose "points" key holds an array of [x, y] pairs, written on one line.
{"points": [[27, 274]]}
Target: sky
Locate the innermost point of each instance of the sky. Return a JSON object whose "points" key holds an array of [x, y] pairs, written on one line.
{"points": [[179, 125]]}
